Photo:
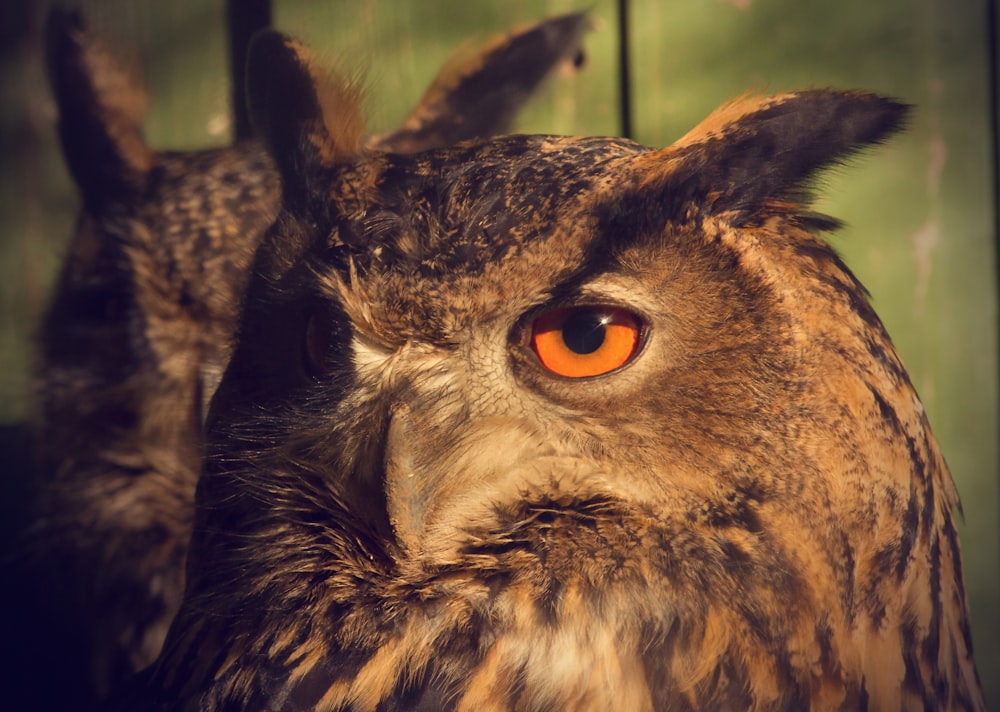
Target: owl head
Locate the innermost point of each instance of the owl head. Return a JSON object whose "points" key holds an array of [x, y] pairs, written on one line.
{"points": [[541, 422], [136, 333]]}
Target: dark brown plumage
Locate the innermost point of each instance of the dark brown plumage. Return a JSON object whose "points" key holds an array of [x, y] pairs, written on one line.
{"points": [[140, 325], [406, 506], [136, 333]]}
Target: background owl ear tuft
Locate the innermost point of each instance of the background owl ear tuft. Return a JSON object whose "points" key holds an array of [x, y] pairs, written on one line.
{"points": [[478, 93], [307, 118], [101, 102], [756, 152]]}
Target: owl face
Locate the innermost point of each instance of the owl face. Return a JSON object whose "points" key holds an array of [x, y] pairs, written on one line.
{"points": [[456, 297], [541, 399]]}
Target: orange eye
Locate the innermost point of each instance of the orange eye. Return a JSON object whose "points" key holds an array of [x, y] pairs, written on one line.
{"points": [[586, 341]]}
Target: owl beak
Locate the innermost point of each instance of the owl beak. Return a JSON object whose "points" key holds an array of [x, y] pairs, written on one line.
{"points": [[405, 498]]}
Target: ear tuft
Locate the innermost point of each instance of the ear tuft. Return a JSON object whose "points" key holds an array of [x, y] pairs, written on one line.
{"points": [[478, 93], [101, 105], [306, 118], [755, 151]]}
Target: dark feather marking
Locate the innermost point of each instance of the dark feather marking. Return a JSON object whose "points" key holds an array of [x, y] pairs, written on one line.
{"points": [[895, 558], [847, 570], [931, 644], [952, 540], [842, 281], [911, 650], [863, 696]]}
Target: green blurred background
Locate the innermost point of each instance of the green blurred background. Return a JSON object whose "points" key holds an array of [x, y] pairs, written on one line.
{"points": [[920, 211]]}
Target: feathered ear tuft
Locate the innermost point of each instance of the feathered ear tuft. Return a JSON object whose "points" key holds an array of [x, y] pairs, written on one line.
{"points": [[478, 93], [101, 106], [307, 119], [754, 152]]}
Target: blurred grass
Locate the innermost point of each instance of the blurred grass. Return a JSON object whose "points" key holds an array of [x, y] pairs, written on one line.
{"points": [[919, 210]]}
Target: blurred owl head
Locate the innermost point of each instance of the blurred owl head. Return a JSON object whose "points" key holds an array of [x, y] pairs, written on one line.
{"points": [[566, 423]]}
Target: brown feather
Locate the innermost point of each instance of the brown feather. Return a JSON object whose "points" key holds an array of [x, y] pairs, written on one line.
{"points": [[404, 507]]}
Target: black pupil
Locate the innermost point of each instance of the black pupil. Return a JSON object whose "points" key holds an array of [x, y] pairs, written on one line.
{"points": [[583, 331]]}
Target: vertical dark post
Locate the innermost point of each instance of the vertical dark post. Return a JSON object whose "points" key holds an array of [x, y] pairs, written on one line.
{"points": [[243, 19], [624, 74], [993, 77]]}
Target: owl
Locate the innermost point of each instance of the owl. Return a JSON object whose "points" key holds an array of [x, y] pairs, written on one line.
{"points": [[140, 324], [550, 423]]}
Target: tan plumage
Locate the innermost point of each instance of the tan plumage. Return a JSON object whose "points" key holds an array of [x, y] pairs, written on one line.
{"points": [[140, 324], [405, 507]]}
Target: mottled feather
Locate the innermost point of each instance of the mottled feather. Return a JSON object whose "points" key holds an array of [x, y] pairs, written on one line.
{"points": [[404, 508]]}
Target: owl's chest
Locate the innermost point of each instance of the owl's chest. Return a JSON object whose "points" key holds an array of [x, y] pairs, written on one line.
{"points": [[574, 607]]}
